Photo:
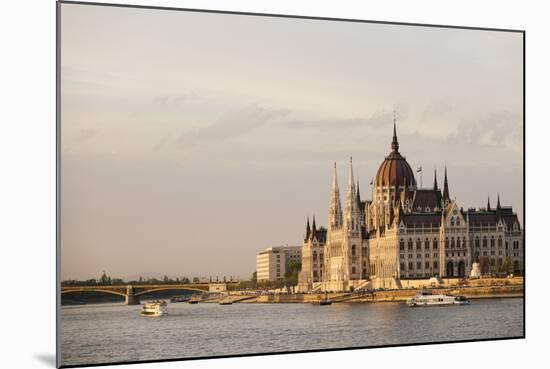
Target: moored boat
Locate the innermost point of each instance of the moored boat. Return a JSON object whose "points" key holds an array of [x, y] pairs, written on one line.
{"points": [[226, 302], [194, 300], [154, 308], [428, 299], [323, 301], [179, 299]]}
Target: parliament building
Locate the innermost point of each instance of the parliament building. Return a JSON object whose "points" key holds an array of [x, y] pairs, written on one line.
{"points": [[405, 233]]}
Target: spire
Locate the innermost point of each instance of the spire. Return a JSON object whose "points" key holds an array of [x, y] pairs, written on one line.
{"points": [[335, 179], [394, 143], [498, 202], [446, 186], [335, 208], [358, 195], [351, 212], [308, 229], [313, 233], [488, 203], [435, 180], [351, 181]]}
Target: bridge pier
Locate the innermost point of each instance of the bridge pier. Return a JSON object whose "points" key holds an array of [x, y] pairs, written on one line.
{"points": [[130, 298]]}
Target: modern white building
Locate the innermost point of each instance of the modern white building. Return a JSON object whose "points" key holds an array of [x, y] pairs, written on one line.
{"points": [[272, 263]]}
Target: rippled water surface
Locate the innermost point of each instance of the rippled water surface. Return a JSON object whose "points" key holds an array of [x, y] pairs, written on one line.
{"points": [[104, 333]]}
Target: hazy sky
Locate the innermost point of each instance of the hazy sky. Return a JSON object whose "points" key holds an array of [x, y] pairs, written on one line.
{"points": [[191, 141]]}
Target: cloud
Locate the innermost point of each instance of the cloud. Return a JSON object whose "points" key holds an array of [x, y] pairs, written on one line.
{"points": [[498, 129], [378, 119], [235, 124], [167, 101]]}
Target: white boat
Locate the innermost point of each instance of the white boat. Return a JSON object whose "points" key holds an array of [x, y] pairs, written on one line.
{"points": [[428, 299], [154, 308]]}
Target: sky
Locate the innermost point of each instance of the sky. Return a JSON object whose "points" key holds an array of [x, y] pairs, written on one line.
{"points": [[191, 141]]}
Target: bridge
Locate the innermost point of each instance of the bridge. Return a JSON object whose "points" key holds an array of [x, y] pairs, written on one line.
{"points": [[133, 293]]}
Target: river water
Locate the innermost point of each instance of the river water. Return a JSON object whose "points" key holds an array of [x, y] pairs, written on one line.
{"points": [[104, 333]]}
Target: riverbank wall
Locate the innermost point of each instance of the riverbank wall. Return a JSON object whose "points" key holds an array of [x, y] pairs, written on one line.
{"points": [[472, 289]]}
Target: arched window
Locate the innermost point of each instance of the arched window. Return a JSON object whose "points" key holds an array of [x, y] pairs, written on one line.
{"points": [[352, 270], [484, 242], [463, 242], [353, 250], [410, 244], [452, 242], [457, 222], [426, 244], [435, 244], [452, 222], [499, 241], [418, 244], [492, 241], [446, 241], [477, 242], [402, 245]]}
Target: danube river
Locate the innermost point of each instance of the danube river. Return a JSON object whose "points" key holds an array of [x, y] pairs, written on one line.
{"points": [[103, 333]]}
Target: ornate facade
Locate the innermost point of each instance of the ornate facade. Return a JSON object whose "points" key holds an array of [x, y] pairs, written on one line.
{"points": [[405, 232]]}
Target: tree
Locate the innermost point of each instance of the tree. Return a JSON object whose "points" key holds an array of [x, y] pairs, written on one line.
{"points": [[254, 277], [185, 280], [166, 279], [196, 280], [291, 274]]}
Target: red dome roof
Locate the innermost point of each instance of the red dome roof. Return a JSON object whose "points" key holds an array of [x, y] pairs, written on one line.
{"points": [[395, 170]]}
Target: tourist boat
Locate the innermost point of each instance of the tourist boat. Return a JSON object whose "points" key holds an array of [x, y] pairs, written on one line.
{"points": [[179, 299], [428, 299], [154, 308]]}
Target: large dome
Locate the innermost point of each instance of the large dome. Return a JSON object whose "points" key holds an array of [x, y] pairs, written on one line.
{"points": [[395, 170]]}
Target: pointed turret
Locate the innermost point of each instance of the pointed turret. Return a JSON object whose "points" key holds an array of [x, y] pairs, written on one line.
{"points": [[351, 212], [394, 143], [313, 230], [446, 187], [335, 208], [498, 202], [435, 180], [488, 203], [308, 229]]}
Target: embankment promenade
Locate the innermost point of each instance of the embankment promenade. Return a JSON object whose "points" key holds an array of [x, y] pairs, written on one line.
{"points": [[472, 289]]}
